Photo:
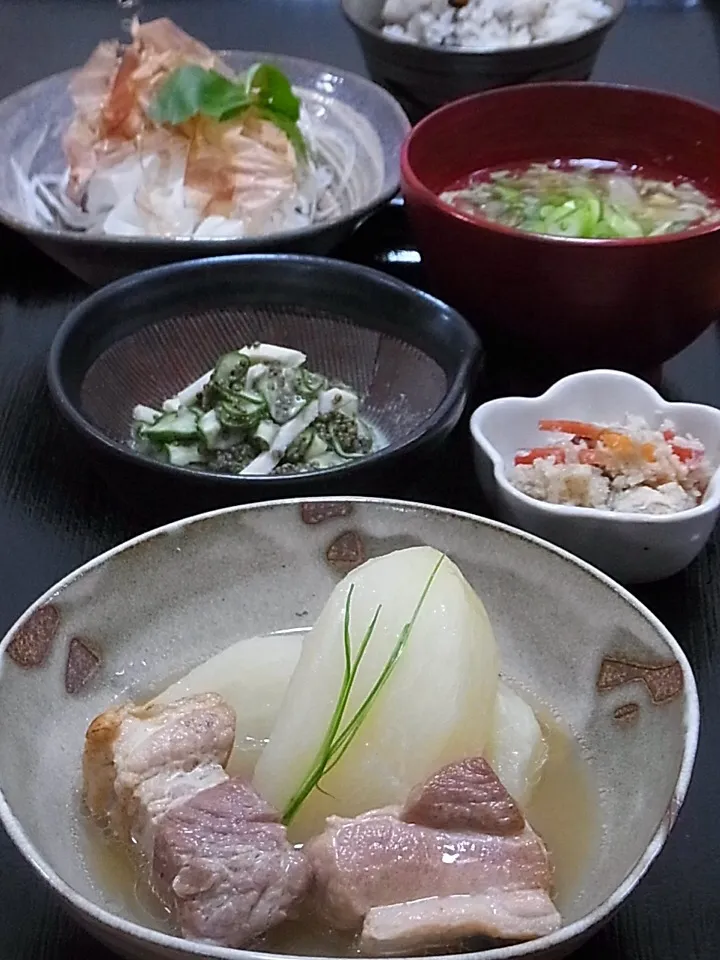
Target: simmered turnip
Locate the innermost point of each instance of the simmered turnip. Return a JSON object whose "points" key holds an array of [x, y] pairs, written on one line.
{"points": [[435, 707]]}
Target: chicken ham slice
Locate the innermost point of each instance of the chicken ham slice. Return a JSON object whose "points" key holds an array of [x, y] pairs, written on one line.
{"points": [[458, 860], [218, 855]]}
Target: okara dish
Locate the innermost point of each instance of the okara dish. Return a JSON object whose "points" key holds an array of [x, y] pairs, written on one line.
{"points": [[627, 467], [603, 466]]}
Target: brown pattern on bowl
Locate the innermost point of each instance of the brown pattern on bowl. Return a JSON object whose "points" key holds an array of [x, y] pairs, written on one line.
{"points": [[81, 666], [30, 644], [320, 511], [626, 712], [664, 681], [165, 601]]}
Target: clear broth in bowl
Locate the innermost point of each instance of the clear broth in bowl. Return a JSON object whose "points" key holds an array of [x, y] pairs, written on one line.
{"points": [[564, 810], [584, 199]]}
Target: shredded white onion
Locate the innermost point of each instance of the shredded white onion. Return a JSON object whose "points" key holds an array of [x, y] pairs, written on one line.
{"points": [[144, 194]]}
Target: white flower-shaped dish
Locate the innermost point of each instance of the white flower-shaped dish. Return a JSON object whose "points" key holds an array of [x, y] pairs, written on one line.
{"points": [[630, 547]]}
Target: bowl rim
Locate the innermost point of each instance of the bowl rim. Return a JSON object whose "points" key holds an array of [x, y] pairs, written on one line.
{"points": [[409, 178], [569, 932], [709, 504], [456, 392], [617, 7], [218, 245]]}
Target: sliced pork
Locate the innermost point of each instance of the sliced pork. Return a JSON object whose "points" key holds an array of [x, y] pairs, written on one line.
{"points": [[223, 862], [459, 837], [404, 928], [218, 855], [129, 745]]}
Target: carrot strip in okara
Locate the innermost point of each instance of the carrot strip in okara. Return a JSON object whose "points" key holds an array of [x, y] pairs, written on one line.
{"points": [[588, 431], [528, 457], [684, 453], [669, 435]]}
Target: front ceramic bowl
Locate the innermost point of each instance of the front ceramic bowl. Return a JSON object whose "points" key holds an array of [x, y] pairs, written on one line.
{"points": [[147, 611], [631, 548]]}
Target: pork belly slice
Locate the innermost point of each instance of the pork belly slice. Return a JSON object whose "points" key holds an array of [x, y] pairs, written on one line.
{"points": [[404, 928], [386, 858], [465, 796], [156, 796], [223, 864], [129, 745]]}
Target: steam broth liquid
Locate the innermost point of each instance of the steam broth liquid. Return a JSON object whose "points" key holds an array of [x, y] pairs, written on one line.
{"points": [[564, 811], [597, 170]]}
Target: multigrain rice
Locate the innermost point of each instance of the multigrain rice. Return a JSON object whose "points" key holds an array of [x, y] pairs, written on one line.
{"points": [[486, 25]]}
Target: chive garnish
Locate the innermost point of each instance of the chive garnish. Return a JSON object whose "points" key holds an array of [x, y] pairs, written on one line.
{"points": [[337, 737]]}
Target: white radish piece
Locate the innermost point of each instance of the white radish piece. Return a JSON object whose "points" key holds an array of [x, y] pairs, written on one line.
{"points": [[516, 750], [436, 707], [271, 353], [252, 677], [264, 463]]}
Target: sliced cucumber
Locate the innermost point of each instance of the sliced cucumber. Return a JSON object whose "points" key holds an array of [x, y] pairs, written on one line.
{"points": [[183, 454], [210, 427], [170, 427]]}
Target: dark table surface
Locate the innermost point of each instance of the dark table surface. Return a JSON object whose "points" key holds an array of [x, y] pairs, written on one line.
{"points": [[55, 514]]}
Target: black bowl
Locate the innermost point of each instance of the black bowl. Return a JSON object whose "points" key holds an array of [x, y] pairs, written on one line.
{"points": [[423, 78], [141, 339]]}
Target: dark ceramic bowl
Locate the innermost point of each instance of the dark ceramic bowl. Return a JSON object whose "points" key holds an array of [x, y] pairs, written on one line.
{"points": [[423, 78], [362, 110], [143, 339], [625, 304]]}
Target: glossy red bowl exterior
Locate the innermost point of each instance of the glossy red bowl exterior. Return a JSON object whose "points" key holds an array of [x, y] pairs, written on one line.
{"points": [[628, 304]]}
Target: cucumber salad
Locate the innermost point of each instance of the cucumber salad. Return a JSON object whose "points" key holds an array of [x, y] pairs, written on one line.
{"points": [[259, 411]]}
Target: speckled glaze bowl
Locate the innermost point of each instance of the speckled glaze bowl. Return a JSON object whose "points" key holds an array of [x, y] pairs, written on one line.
{"points": [[148, 610], [34, 119]]}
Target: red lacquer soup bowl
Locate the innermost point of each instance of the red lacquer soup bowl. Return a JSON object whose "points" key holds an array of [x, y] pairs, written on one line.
{"points": [[628, 304]]}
